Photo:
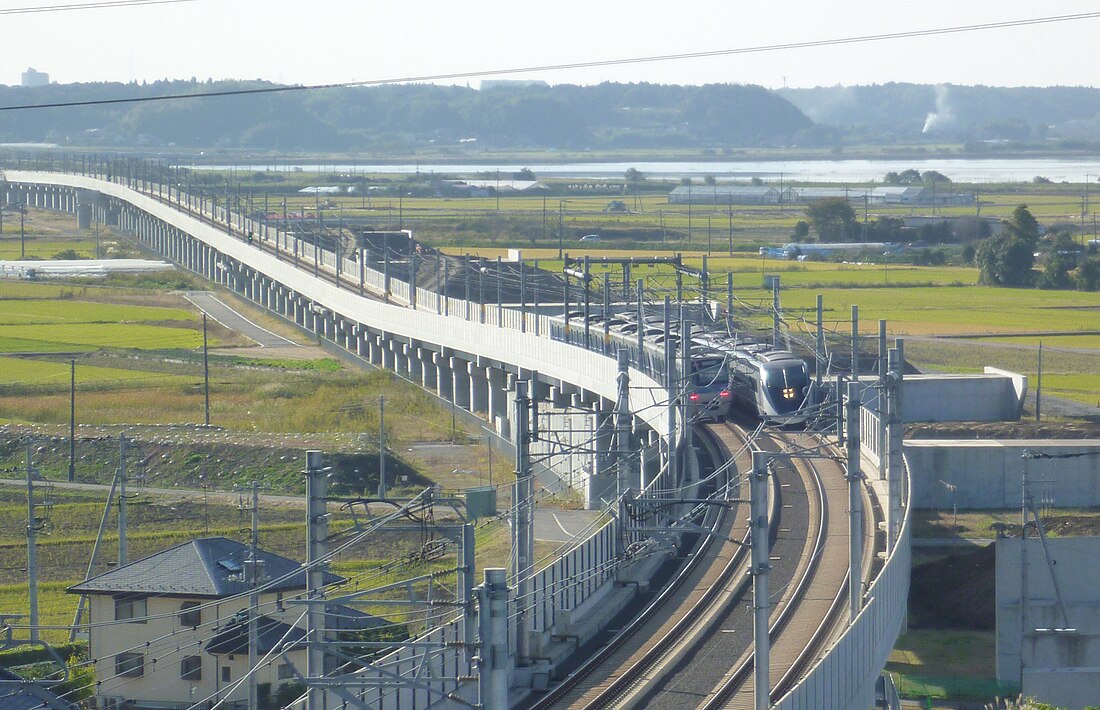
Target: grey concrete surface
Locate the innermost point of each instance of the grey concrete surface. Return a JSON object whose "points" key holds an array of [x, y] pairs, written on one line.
{"points": [[227, 316]]}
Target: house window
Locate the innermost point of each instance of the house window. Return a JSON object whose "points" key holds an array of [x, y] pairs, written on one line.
{"points": [[132, 609], [191, 668], [226, 675], [130, 665], [286, 671], [190, 614]]}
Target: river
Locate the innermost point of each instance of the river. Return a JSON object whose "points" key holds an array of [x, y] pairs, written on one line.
{"points": [[979, 170]]}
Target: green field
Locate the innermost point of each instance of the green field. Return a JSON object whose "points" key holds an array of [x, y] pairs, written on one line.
{"points": [[27, 312], [21, 373], [45, 248], [87, 336]]}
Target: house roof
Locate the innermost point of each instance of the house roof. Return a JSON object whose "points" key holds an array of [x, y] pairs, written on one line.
{"points": [[233, 637], [19, 694], [207, 567]]}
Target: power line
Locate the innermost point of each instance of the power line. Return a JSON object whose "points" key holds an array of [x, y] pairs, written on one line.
{"points": [[758, 49], [36, 9]]}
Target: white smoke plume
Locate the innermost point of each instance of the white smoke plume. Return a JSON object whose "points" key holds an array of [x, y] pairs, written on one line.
{"points": [[942, 118]]}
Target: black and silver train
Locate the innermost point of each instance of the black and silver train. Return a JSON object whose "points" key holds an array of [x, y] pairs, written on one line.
{"points": [[755, 378]]}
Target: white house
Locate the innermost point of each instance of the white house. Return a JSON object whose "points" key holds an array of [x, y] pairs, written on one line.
{"points": [[166, 631]]}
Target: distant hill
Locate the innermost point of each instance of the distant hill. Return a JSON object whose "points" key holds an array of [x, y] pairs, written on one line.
{"points": [[892, 112], [403, 117]]}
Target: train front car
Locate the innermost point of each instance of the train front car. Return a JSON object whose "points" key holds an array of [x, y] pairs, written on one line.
{"points": [[784, 387], [709, 395]]}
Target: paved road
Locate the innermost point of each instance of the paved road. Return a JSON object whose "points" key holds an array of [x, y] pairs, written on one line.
{"points": [[562, 525], [228, 317]]}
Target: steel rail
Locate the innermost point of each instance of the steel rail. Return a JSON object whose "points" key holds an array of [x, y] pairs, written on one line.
{"points": [[651, 652]]}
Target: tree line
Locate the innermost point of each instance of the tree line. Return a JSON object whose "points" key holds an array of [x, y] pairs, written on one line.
{"points": [[398, 118], [1019, 256]]}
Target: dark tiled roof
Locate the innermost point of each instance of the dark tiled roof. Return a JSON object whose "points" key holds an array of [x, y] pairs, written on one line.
{"points": [[233, 637], [207, 567], [18, 694]]}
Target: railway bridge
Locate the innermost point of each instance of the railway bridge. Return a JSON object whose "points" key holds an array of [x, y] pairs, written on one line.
{"points": [[487, 361]]}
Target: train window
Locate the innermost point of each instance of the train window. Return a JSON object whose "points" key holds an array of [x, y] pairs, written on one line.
{"points": [[710, 373]]}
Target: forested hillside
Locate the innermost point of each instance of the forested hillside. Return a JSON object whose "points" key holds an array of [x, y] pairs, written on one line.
{"points": [[397, 118], [892, 112]]}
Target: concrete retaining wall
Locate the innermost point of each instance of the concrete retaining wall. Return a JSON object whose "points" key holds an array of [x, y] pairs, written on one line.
{"points": [[986, 474]]}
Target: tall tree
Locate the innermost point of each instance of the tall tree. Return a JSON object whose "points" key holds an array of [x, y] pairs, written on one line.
{"points": [[1005, 260], [634, 178], [833, 219], [1023, 225]]}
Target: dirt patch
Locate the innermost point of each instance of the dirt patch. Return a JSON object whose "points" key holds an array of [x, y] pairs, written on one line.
{"points": [[955, 592]]}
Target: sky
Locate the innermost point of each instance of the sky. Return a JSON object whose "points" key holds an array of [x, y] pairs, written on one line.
{"points": [[328, 41]]}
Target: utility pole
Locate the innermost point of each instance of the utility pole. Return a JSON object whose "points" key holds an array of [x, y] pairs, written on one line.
{"points": [[255, 570], [731, 225], [493, 631], [123, 551], [855, 343], [775, 311], [894, 467], [883, 373], [819, 345], [32, 547], [523, 523], [1039, 386], [684, 383], [673, 387], [382, 446], [316, 534], [855, 506], [22, 231], [205, 372], [758, 504], [72, 419], [561, 233], [622, 443]]}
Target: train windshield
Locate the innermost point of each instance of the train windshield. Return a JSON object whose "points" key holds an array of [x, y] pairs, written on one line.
{"points": [[787, 387], [711, 372]]}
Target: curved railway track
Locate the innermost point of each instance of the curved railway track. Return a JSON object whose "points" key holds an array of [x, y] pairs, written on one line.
{"points": [[802, 621], [692, 647], [628, 661]]}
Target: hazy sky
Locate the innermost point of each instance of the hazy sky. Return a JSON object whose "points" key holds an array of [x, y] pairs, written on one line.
{"points": [[354, 40]]}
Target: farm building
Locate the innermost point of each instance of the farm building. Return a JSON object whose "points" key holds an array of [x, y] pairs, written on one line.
{"points": [[726, 195], [884, 195]]}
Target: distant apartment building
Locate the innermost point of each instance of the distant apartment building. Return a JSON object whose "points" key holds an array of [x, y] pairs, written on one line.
{"points": [[33, 77]]}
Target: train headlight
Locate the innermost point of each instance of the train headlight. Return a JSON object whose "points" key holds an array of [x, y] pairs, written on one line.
{"points": [[788, 393]]}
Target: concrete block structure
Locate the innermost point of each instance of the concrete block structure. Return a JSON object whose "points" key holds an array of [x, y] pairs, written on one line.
{"points": [[987, 474], [1048, 619]]}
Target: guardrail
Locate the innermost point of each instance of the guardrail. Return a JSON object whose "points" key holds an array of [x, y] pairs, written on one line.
{"points": [[845, 676]]}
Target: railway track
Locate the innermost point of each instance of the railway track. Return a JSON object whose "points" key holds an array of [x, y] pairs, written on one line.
{"points": [[802, 622], [695, 647]]}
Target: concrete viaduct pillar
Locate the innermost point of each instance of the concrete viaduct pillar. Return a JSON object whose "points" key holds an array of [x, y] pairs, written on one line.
{"points": [[429, 377], [461, 382], [479, 389], [444, 378]]}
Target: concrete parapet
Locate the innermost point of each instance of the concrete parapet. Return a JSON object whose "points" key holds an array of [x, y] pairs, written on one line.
{"points": [[987, 474]]}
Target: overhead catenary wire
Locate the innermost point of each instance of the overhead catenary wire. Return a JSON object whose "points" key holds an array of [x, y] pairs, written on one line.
{"points": [[566, 66], [102, 5]]}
